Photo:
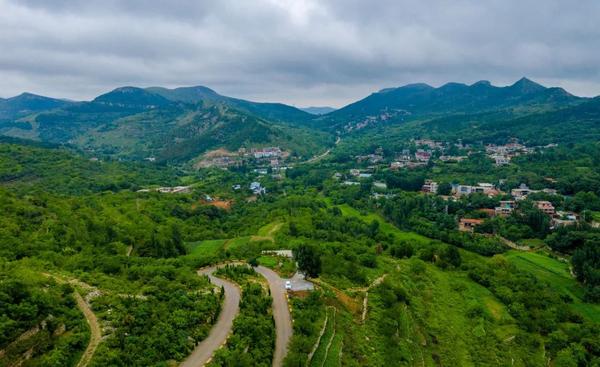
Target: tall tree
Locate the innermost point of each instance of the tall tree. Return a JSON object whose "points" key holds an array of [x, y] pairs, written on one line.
{"points": [[308, 259]]}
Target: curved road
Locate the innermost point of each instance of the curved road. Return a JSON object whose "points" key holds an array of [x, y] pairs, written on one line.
{"points": [[95, 333], [220, 331], [281, 313]]}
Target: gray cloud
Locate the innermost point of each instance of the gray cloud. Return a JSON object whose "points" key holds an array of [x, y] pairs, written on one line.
{"points": [[303, 52]]}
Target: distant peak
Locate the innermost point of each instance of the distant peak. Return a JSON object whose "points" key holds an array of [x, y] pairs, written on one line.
{"points": [[126, 89], [485, 83], [526, 85], [418, 86], [199, 87], [28, 96], [415, 86]]}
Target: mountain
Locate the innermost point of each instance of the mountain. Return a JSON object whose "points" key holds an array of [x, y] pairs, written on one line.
{"points": [[318, 110], [418, 101], [168, 124], [28, 103], [278, 112]]}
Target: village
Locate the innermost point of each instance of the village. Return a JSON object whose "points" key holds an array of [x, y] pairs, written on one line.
{"points": [[426, 152], [221, 158]]}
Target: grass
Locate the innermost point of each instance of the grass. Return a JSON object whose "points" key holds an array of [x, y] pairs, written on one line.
{"points": [[268, 261], [557, 275], [205, 248], [234, 244]]}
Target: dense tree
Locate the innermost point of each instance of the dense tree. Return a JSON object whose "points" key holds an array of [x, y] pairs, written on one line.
{"points": [[308, 259]]}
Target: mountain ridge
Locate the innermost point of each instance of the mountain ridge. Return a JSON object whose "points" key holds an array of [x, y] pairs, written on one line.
{"points": [[420, 100]]}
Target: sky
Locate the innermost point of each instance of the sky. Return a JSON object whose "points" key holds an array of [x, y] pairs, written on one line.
{"points": [[300, 52]]}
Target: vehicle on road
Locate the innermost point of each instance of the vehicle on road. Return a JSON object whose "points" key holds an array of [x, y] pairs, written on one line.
{"points": [[288, 285]]}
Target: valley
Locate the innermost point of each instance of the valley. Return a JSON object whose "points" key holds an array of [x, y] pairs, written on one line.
{"points": [[419, 226]]}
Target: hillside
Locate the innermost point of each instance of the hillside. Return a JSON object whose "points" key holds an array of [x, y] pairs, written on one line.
{"points": [[27, 167], [581, 121]]}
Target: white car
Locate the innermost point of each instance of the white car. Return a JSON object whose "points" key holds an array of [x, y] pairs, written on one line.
{"points": [[288, 285]]}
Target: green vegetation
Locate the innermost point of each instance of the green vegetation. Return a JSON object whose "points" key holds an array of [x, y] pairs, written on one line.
{"points": [[253, 338], [556, 274], [309, 316], [395, 278], [40, 315]]}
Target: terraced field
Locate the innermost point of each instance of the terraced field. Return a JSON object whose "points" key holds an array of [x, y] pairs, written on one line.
{"points": [[324, 355]]}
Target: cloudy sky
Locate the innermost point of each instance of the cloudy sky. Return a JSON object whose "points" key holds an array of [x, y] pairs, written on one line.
{"points": [[302, 52]]}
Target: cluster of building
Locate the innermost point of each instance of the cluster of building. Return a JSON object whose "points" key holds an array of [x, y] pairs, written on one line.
{"points": [[521, 192], [502, 154], [371, 158], [269, 152], [408, 160], [507, 207], [481, 188], [273, 156], [428, 143]]}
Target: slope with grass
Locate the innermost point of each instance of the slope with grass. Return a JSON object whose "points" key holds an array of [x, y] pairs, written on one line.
{"points": [[558, 276]]}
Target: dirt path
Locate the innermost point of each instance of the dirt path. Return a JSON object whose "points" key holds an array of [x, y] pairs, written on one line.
{"points": [[220, 331], [90, 317], [513, 245], [269, 235], [281, 313], [95, 333], [324, 154]]}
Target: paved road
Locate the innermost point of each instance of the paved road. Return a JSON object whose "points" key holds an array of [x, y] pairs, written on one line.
{"points": [[281, 313], [220, 331]]}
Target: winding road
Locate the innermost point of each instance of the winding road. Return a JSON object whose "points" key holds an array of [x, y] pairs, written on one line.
{"points": [[220, 331], [281, 313]]}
